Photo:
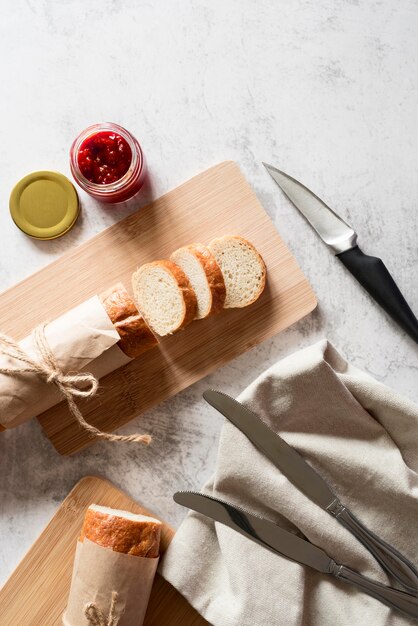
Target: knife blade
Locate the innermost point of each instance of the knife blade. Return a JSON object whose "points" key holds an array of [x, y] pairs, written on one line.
{"points": [[262, 531], [293, 548], [309, 482], [370, 271], [283, 456], [332, 229]]}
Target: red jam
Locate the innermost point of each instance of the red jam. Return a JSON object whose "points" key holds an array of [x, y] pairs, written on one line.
{"points": [[104, 158], [107, 161]]}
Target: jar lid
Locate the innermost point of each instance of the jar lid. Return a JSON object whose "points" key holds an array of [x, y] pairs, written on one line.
{"points": [[44, 205]]}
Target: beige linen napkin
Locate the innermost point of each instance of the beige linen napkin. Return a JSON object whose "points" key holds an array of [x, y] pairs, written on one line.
{"points": [[363, 439]]}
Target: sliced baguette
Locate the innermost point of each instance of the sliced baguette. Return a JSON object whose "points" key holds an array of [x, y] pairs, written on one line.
{"points": [[164, 296], [205, 276], [242, 267]]}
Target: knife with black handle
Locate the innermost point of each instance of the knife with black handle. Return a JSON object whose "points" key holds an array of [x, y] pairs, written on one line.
{"points": [[374, 276], [309, 482], [294, 548], [370, 271]]}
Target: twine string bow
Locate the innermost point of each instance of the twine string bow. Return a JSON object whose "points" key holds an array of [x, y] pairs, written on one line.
{"points": [[70, 385], [95, 616]]}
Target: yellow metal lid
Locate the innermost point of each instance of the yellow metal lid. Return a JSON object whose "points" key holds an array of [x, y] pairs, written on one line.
{"points": [[44, 205]]}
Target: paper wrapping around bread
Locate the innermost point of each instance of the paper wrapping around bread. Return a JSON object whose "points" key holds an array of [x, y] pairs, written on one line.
{"points": [[97, 573], [82, 339]]}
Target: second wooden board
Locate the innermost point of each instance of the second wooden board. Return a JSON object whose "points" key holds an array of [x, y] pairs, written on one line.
{"points": [[216, 202], [37, 591]]}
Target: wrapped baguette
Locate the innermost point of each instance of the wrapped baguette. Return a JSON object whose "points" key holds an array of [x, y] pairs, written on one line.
{"points": [[116, 560], [98, 336]]}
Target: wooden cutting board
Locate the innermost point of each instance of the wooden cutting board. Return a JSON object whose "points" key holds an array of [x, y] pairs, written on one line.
{"points": [[219, 201], [37, 591]]}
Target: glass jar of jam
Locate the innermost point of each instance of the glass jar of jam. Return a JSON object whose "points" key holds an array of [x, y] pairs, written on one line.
{"points": [[108, 163]]}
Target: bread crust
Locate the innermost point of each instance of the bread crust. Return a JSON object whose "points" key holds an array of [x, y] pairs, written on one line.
{"points": [[135, 335], [183, 283], [213, 273], [259, 258], [138, 538]]}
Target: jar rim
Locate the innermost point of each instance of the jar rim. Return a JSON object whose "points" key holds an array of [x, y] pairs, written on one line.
{"points": [[134, 167]]}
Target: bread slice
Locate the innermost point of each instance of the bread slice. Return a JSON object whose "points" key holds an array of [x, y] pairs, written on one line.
{"points": [[164, 296], [122, 531], [242, 267], [135, 335], [205, 276]]}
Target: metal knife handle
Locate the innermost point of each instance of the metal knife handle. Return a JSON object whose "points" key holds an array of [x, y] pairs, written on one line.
{"points": [[393, 598], [389, 558], [374, 276]]}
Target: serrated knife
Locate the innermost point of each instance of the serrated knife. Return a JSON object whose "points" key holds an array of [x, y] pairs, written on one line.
{"points": [[294, 548], [309, 482], [370, 271]]}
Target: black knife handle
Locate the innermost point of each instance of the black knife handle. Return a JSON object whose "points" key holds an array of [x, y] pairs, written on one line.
{"points": [[389, 558], [393, 598], [374, 276]]}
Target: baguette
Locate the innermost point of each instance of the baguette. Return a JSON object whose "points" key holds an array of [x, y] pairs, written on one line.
{"points": [[122, 531], [205, 276], [135, 335]]}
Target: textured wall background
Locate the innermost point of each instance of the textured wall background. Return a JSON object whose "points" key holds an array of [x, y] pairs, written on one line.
{"points": [[326, 90]]}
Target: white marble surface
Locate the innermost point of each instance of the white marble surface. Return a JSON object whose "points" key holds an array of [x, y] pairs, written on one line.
{"points": [[325, 89]]}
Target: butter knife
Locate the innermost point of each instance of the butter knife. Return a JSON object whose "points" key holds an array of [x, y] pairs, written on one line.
{"points": [[370, 271], [309, 482], [294, 548]]}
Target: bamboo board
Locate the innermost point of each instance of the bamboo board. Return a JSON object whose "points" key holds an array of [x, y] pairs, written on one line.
{"points": [[36, 593], [219, 201]]}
